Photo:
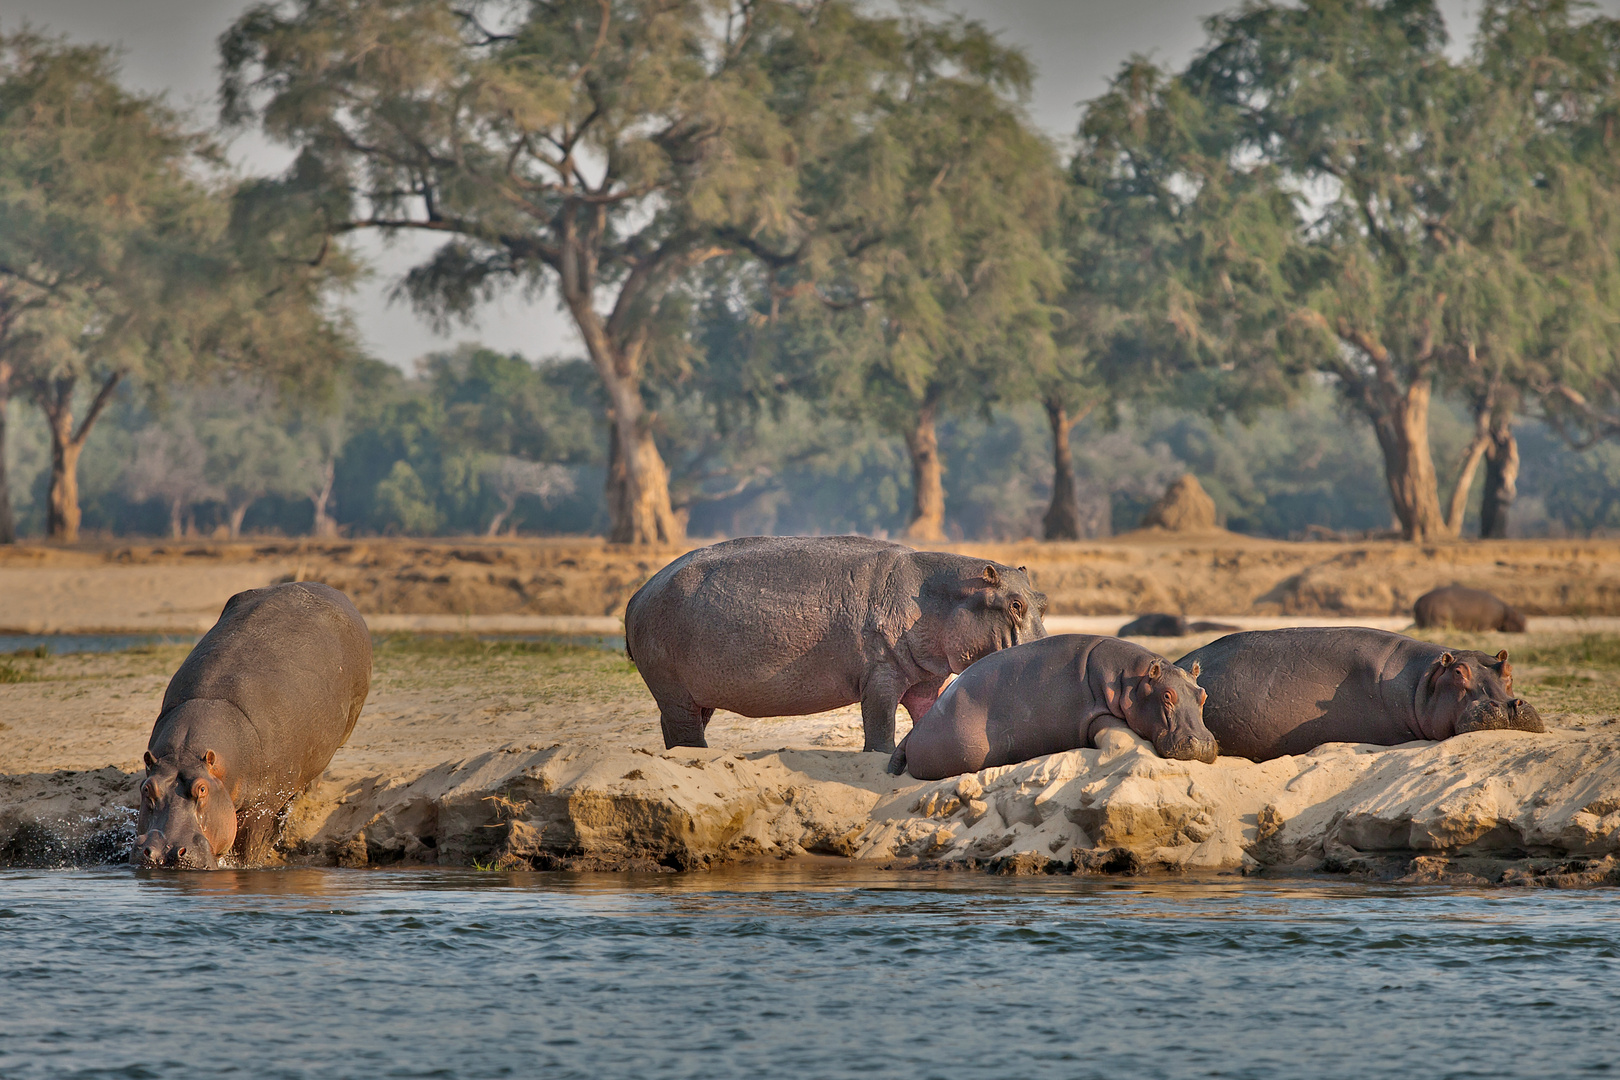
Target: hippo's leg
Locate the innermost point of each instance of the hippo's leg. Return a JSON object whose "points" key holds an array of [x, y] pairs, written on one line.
{"points": [[921, 697], [897, 760], [879, 698], [683, 721]]}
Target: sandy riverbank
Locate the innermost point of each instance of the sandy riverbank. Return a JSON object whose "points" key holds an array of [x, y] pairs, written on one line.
{"points": [[530, 755]]}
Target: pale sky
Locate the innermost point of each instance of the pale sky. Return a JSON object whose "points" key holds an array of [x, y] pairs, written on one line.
{"points": [[169, 46]]}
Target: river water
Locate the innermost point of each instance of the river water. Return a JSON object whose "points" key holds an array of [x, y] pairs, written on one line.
{"points": [[794, 973]]}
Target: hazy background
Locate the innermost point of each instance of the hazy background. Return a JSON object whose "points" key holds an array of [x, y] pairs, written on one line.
{"points": [[169, 47]]}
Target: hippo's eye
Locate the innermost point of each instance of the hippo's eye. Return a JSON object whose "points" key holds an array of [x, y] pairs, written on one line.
{"points": [[1018, 607], [199, 790]]}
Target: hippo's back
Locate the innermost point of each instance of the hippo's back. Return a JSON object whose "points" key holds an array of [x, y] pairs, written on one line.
{"points": [[1276, 692], [759, 600], [1462, 608], [295, 659]]}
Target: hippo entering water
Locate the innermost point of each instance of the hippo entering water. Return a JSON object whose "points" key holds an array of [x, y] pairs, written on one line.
{"points": [[791, 625], [252, 717], [1052, 695], [1276, 692]]}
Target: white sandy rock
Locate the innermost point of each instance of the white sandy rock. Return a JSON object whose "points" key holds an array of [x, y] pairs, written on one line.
{"points": [[1485, 805]]}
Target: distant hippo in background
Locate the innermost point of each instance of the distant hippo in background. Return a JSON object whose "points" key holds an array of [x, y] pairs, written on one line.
{"points": [[1276, 692], [252, 717], [1049, 696], [790, 625], [1460, 608], [1162, 624]]}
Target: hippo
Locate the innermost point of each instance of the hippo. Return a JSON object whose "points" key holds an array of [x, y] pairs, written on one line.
{"points": [[1458, 608], [791, 625], [1046, 696], [1162, 624], [252, 717], [1276, 692]]}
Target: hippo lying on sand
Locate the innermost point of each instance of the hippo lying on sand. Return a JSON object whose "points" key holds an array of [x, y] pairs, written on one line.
{"points": [[790, 625], [1465, 609], [1162, 624], [1049, 696], [252, 717], [1276, 692]]}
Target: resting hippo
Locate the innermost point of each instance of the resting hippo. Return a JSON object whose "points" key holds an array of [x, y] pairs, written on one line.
{"points": [[1276, 692], [1465, 609], [251, 718], [789, 625], [1161, 624], [1048, 696]]}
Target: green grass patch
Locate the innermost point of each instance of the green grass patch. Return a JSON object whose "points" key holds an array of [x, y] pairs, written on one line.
{"points": [[13, 672], [472, 647]]}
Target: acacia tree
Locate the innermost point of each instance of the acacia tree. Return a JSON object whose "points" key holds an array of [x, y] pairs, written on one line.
{"points": [[600, 148], [1378, 186], [927, 287], [121, 259]]}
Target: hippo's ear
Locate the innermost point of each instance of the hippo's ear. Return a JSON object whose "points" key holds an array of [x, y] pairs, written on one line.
{"points": [[1023, 570], [211, 760], [1502, 656], [1197, 669], [1154, 670], [151, 762], [991, 575], [1446, 659]]}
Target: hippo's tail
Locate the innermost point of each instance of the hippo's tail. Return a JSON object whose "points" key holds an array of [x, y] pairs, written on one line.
{"points": [[897, 760]]}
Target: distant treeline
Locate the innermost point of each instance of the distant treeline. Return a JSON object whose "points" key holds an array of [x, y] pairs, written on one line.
{"points": [[825, 273], [433, 454]]}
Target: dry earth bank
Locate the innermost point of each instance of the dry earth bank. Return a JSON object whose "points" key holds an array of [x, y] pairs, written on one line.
{"points": [[182, 585], [541, 755]]}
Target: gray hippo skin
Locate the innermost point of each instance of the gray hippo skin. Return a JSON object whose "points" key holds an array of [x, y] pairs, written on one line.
{"points": [[1276, 692], [1461, 608], [791, 625], [252, 717], [1049, 696], [1162, 624]]}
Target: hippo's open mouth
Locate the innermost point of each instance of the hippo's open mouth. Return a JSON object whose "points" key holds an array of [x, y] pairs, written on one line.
{"points": [[1514, 715]]}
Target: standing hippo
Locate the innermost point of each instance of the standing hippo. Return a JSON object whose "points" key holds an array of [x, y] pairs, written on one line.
{"points": [[1050, 695], [790, 625], [1276, 692], [1459, 608], [252, 717]]}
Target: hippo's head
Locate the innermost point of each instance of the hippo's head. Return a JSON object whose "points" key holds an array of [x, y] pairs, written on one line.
{"points": [[1512, 621], [187, 818], [995, 609], [1165, 705], [1470, 691]]}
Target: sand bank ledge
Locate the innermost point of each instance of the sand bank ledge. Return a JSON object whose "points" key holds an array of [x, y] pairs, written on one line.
{"points": [[1498, 807]]}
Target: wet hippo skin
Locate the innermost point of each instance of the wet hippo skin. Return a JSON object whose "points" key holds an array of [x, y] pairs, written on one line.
{"points": [[252, 717]]}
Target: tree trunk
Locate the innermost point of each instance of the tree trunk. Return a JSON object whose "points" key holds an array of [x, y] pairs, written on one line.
{"points": [[1414, 491], [637, 481], [1501, 480], [927, 478], [507, 506], [1062, 520], [8, 525], [1465, 481], [177, 517], [56, 398], [325, 526], [238, 512]]}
